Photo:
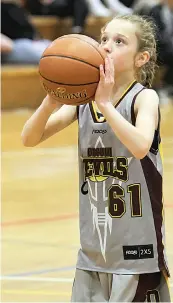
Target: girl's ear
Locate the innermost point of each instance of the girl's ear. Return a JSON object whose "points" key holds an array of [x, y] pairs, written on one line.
{"points": [[142, 58]]}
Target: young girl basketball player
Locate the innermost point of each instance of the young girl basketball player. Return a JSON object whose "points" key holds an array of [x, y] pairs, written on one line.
{"points": [[122, 255]]}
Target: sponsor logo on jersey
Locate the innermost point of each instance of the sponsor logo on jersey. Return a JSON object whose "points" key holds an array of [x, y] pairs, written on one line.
{"points": [[131, 252], [134, 252], [99, 131]]}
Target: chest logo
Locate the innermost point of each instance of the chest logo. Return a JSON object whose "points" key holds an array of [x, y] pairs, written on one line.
{"points": [[100, 165], [99, 131]]}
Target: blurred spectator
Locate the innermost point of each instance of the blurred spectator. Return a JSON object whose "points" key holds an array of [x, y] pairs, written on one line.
{"points": [[162, 14], [119, 6], [20, 43], [106, 8], [142, 7], [98, 9], [78, 9], [128, 3]]}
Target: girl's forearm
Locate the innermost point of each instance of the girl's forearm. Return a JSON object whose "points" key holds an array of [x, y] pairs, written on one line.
{"points": [[34, 128]]}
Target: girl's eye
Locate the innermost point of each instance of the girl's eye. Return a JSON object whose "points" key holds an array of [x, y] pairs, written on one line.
{"points": [[104, 39], [118, 41]]}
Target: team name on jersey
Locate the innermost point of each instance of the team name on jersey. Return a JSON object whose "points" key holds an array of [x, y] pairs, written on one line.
{"points": [[99, 165]]}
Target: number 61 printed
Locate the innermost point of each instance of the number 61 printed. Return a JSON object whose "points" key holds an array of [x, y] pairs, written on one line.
{"points": [[117, 206]]}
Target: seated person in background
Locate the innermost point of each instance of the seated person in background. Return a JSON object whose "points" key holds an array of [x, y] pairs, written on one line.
{"points": [[98, 8], [119, 6], [78, 9], [106, 8], [128, 3], [162, 13], [20, 43], [143, 6]]}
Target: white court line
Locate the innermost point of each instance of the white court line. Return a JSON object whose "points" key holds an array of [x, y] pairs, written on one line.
{"points": [[42, 151], [59, 280]]}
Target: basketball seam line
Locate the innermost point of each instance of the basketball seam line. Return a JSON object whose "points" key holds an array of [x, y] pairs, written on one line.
{"points": [[68, 83], [69, 57], [63, 37]]}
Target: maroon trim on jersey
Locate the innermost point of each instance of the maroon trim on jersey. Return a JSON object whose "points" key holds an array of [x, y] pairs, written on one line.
{"points": [[146, 283], [77, 111], [157, 139], [154, 184], [133, 117]]}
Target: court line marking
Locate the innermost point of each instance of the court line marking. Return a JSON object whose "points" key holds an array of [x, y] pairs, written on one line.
{"points": [[58, 150], [21, 241], [43, 271], [35, 292], [40, 220], [43, 151], [49, 219], [59, 280]]}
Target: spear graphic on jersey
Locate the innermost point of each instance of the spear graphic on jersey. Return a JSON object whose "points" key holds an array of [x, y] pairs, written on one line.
{"points": [[100, 172]]}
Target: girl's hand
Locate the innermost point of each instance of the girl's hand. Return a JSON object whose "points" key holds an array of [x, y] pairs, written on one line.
{"points": [[106, 83]]}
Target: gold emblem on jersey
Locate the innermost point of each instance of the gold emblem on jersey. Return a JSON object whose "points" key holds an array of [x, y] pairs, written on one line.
{"points": [[99, 165]]}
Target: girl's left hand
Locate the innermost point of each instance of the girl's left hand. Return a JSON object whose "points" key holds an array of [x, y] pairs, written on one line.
{"points": [[106, 83]]}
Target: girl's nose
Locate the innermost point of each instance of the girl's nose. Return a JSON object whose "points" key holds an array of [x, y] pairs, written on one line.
{"points": [[107, 48]]}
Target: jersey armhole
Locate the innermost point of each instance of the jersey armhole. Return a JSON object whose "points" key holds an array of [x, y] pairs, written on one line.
{"points": [[157, 139], [133, 118], [77, 112]]}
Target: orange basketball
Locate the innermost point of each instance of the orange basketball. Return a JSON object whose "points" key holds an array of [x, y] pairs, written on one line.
{"points": [[69, 69]]}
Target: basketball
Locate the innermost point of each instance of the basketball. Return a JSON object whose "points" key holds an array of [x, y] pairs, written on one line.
{"points": [[69, 69]]}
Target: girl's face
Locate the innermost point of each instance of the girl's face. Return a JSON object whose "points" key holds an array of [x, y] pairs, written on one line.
{"points": [[120, 41]]}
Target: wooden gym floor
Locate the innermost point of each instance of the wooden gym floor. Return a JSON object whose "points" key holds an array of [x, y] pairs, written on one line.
{"points": [[40, 236]]}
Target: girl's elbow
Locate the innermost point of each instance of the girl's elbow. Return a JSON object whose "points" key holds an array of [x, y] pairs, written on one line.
{"points": [[26, 142], [141, 153]]}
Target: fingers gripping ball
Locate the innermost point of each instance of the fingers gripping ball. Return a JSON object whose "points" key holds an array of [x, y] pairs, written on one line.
{"points": [[69, 69]]}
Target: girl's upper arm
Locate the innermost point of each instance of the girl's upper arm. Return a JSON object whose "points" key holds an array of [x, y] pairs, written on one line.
{"points": [[60, 119], [146, 110]]}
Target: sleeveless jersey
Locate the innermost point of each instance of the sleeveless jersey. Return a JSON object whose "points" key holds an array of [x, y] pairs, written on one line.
{"points": [[120, 199]]}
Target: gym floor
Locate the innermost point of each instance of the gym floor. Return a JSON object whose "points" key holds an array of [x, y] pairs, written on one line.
{"points": [[40, 235]]}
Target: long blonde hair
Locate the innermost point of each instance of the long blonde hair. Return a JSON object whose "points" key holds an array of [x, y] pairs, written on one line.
{"points": [[146, 35]]}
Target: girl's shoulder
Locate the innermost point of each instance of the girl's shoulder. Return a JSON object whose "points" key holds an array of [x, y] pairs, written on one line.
{"points": [[147, 97]]}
